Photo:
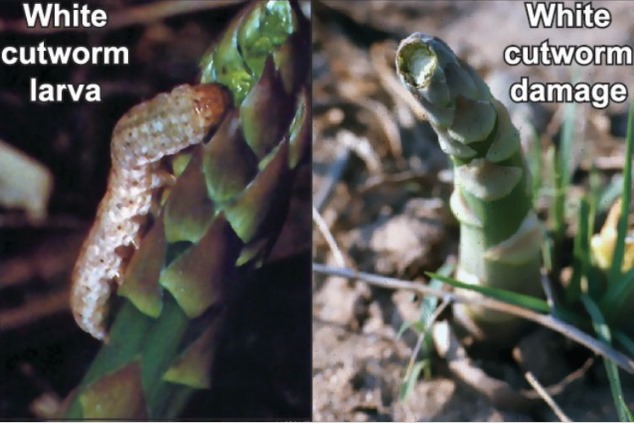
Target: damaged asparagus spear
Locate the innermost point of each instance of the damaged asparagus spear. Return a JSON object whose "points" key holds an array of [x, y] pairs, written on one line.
{"points": [[500, 235]]}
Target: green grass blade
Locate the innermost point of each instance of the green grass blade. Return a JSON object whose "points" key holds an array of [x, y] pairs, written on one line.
{"points": [[624, 340], [603, 332], [581, 252], [565, 146], [618, 291], [534, 157], [409, 382], [547, 253], [609, 194], [428, 308], [528, 302], [624, 413], [626, 195], [563, 174], [405, 327], [593, 197], [430, 303]]}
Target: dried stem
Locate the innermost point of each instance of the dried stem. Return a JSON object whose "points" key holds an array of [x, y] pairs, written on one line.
{"points": [[546, 397], [330, 240]]}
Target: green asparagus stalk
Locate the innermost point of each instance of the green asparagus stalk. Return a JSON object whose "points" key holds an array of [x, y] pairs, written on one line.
{"points": [[500, 235], [215, 226]]}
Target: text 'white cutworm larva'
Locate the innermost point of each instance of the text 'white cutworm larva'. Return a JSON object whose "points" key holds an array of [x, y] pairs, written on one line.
{"points": [[160, 127]]}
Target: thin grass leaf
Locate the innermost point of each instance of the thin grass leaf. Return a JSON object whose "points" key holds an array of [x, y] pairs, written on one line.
{"points": [[624, 413], [593, 275], [609, 194], [618, 291], [534, 157], [409, 382], [404, 327], [624, 340], [427, 312], [547, 253], [528, 302], [430, 303], [598, 322], [626, 195], [567, 140], [563, 174], [548, 182], [581, 252], [594, 196], [603, 332]]}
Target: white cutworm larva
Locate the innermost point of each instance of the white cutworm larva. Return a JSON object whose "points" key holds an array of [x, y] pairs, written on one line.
{"points": [[160, 127]]}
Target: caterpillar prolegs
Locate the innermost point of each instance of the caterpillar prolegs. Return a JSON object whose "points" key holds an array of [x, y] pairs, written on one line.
{"points": [[150, 131]]}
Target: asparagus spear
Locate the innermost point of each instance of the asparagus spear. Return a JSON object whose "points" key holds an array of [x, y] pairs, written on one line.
{"points": [[215, 225], [500, 235]]}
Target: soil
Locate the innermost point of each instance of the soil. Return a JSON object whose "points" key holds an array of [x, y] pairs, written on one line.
{"points": [[381, 185]]}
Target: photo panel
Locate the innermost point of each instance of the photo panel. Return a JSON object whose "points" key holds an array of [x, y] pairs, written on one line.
{"points": [[155, 210], [473, 218]]}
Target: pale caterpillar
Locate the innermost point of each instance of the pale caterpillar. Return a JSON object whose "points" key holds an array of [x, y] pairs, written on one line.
{"points": [[147, 133]]}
